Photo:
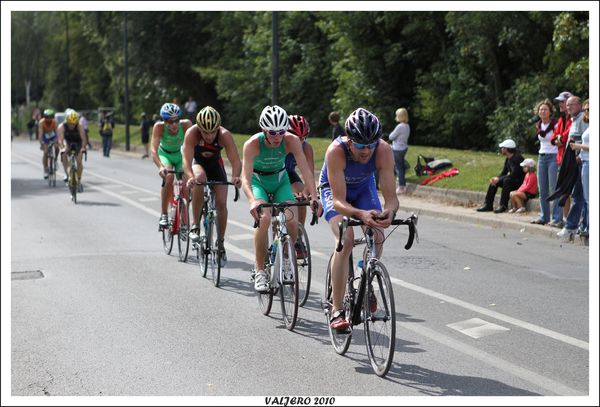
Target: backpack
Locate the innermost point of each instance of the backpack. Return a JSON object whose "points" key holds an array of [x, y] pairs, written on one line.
{"points": [[107, 128], [431, 165]]}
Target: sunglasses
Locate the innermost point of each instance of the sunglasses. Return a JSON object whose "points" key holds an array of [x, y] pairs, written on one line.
{"points": [[172, 121], [586, 110], [276, 133], [361, 146]]}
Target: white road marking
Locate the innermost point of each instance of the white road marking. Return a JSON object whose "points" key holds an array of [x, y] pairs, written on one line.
{"points": [[493, 314], [242, 236], [149, 199], [477, 328]]}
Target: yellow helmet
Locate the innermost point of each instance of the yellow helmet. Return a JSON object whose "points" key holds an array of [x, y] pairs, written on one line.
{"points": [[72, 117], [208, 119]]}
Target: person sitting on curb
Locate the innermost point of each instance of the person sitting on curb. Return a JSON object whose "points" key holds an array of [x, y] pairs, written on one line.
{"points": [[509, 179], [527, 190]]}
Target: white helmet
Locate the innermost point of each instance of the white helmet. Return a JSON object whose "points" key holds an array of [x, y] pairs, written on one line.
{"points": [[273, 118]]}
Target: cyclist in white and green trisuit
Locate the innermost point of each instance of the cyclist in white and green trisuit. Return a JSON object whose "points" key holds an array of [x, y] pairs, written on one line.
{"points": [[167, 138], [263, 173]]}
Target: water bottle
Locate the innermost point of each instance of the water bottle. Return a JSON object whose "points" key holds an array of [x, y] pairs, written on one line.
{"points": [[274, 250], [357, 274]]}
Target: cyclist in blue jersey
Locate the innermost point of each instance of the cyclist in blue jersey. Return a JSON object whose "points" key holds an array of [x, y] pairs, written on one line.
{"points": [[348, 189], [263, 174], [165, 151]]}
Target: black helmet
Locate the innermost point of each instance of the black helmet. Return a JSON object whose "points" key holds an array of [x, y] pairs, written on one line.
{"points": [[363, 126]]}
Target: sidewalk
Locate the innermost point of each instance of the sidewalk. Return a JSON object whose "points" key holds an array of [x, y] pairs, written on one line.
{"points": [[443, 203]]}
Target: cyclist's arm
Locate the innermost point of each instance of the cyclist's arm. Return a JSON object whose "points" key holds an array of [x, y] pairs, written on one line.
{"points": [[387, 182], [60, 138], [187, 152], [157, 132], [336, 164], [83, 139], [309, 154], [226, 140], [292, 144], [250, 151]]}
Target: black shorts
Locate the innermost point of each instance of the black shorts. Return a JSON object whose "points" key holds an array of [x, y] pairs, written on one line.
{"points": [[74, 146], [214, 169], [530, 195], [145, 138], [293, 176]]}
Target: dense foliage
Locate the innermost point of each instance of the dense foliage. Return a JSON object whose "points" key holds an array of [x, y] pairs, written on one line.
{"points": [[468, 79]]}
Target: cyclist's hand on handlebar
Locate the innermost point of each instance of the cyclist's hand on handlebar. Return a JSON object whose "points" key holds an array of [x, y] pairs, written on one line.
{"points": [[369, 218], [384, 219], [162, 172], [254, 204], [315, 203], [191, 182], [237, 181]]}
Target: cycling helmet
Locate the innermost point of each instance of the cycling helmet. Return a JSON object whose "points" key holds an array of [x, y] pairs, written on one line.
{"points": [[299, 126], [72, 117], [49, 113], [208, 119], [273, 118], [170, 111], [363, 126]]}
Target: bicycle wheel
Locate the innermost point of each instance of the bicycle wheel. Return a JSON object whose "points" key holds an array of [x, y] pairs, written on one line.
{"points": [[50, 164], [73, 182], [340, 341], [205, 242], [304, 263], [53, 173], [380, 319], [216, 254], [167, 235], [183, 241], [288, 276]]}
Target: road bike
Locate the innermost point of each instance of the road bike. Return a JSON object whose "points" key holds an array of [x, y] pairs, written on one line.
{"points": [[178, 214], [73, 180], [368, 298], [281, 267], [52, 160], [207, 248]]}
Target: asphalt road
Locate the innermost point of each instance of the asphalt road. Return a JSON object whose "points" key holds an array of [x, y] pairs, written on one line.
{"points": [[97, 308]]}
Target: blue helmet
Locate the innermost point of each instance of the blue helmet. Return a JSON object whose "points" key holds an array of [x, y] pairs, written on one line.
{"points": [[363, 126], [170, 111]]}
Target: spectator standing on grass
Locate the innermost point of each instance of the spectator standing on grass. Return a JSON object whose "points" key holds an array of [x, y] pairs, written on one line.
{"points": [[191, 107], [509, 179], [547, 163], [577, 219], [399, 138], [106, 126], [527, 190], [145, 126], [584, 155], [559, 139], [334, 120]]}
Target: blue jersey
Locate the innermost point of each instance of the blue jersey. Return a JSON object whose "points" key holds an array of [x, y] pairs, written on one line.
{"points": [[355, 173], [290, 160]]}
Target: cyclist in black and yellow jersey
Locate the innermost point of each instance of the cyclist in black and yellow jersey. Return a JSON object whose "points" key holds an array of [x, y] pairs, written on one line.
{"points": [[71, 136], [202, 162], [167, 139]]}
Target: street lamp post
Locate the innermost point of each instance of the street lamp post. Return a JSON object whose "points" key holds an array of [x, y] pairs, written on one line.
{"points": [[275, 59], [126, 96]]}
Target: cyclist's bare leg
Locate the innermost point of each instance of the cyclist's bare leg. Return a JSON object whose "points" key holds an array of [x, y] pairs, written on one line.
{"points": [[339, 263], [45, 158], [198, 193], [260, 238], [166, 192], [292, 223], [65, 160], [221, 205], [79, 166], [298, 187]]}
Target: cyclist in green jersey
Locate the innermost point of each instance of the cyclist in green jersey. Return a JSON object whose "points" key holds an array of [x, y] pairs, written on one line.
{"points": [[263, 173], [167, 138]]}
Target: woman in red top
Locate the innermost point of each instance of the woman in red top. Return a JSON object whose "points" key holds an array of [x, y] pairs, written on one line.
{"points": [[527, 190]]}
